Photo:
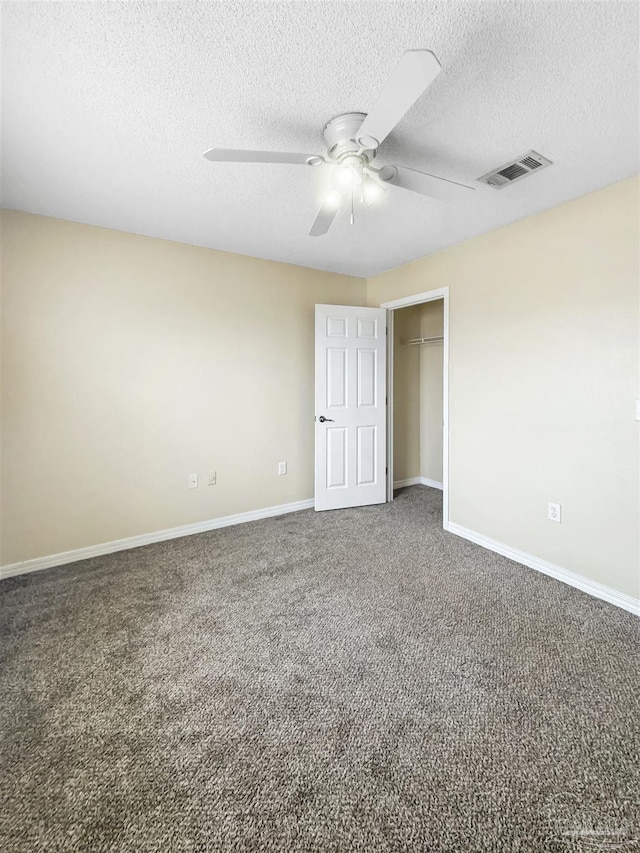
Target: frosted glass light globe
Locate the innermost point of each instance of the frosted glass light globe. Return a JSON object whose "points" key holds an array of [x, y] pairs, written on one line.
{"points": [[348, 175]]}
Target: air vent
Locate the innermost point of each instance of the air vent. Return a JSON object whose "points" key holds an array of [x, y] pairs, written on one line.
{"points": [[514, 171]]}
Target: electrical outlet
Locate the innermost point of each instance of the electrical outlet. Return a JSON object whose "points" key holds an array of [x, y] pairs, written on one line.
{"points": [[554, 512], [193, 481], [282, 468], [212, 478]]}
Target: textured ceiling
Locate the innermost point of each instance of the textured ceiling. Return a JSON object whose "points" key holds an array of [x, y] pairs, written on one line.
{"points": [[107, 108]]}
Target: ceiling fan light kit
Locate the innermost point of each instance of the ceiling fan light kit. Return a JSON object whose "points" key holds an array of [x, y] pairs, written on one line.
{"points": [[352, 141]]}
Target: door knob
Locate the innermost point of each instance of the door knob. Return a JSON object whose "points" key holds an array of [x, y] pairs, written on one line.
{"points": [[322, 419]]}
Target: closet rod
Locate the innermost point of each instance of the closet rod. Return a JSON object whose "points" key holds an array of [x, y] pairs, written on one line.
{"points": [[415, 341]]}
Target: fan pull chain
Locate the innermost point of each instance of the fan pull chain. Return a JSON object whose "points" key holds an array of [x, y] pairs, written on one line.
{"points": [[352, 219]]}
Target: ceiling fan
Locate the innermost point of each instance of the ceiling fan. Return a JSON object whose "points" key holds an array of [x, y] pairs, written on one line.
{"points": [[352, 142]]}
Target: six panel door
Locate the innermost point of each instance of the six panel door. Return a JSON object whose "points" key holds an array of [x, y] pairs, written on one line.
{"points": [[350, 399]]}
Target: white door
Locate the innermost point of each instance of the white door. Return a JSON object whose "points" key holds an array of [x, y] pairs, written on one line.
{"points": [[351, 383]]}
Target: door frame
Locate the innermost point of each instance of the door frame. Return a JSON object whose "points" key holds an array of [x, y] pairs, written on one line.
{"points": [[394, 305]]}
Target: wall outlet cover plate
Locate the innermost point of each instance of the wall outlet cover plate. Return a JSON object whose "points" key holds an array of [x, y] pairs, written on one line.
{"points": [[554, 512]]}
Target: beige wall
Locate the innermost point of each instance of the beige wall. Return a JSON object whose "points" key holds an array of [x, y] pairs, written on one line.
{"points": [[431, 325], [406, 395], [544, 372], [417, 393], [129, 363]]}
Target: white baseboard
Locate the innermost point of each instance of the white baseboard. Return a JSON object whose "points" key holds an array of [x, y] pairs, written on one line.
{"points": [[411, 481], [619, 599], [425, 481], [65, 557], [417, 481], [626, 602]]}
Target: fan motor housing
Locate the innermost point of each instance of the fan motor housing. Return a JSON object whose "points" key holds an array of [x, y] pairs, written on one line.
{"points": [[340, 137]]}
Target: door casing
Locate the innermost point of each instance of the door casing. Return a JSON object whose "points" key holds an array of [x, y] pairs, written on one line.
{"points": [[394, 305]]}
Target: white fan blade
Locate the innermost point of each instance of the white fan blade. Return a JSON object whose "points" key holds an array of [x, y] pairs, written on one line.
{"points": [[232, 155], [416, 70], [421, 182], [325, 217]]}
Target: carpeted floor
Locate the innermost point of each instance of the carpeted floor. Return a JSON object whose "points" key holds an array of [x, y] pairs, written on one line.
{"points": [[345, 681]]}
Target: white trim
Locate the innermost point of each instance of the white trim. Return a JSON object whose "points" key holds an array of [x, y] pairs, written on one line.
{"points": [[418, 299], [65, 557], [445, 411], [433, 484], [597, 590], [410, 481], [417, 481], [390, 337]]}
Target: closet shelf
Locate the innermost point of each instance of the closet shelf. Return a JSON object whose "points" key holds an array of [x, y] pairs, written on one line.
{"points": [[416, 341]]}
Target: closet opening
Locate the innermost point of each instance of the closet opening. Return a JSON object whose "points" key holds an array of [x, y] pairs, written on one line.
{"points": [[417, 377]]}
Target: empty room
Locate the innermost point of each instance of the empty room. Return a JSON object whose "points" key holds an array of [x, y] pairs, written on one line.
{"points": [[320, 415]]}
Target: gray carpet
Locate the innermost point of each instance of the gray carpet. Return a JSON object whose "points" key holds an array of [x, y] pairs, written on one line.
{"points": [[346, 681]]}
